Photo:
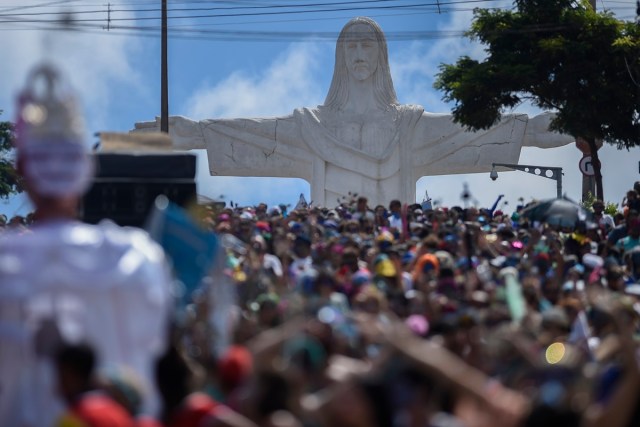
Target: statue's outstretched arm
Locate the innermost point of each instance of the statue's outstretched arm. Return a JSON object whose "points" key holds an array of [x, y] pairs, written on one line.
{"points": [[261, 132], [185, 133], [251, 147], [539, 135], [442, 146], [265, 133]]}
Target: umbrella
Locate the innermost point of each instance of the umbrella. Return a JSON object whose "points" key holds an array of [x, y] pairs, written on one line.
{"points": [[561, 212]]}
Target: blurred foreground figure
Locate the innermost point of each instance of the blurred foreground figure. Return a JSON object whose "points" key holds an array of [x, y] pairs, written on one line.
{"points": [[86, 406], [67, 281]]}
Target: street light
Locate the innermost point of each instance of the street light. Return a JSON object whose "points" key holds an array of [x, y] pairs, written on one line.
{"points": [[543, 171]]}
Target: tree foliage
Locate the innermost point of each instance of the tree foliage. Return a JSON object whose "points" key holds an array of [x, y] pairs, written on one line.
{"points": [[610, 208], [559, 55], [10, 182]]}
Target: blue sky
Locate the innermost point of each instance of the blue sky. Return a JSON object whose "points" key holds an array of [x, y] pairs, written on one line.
{"points": [[224, 70]]}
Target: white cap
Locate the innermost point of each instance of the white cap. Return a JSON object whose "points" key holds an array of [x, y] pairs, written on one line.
{"points": [[592, 261]]}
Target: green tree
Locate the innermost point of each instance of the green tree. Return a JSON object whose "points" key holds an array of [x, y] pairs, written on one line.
{"points": [[559, 55], [610, 208], [10, 182]]}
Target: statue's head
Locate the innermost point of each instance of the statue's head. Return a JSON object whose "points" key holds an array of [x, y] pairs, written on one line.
{"points": [[361, 53]]}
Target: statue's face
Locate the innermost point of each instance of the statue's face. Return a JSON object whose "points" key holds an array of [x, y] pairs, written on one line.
{"points": [[361, 51]]}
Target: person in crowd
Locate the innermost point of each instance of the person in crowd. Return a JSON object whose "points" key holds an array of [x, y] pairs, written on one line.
{"points": [[182, 405], [622, 230], [632, 240], [631, 200], [362, 211], [605, 221], [86, 405], [395, 218]]}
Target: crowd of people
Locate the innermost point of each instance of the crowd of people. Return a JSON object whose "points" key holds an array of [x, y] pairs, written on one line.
{"points": [[399, 316], [353, 316], [394, 316]]}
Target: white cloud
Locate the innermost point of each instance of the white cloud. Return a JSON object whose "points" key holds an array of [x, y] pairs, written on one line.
{"points": [[98, 63], [290, 81], [414, 67], [94, 65], [93, 62]]}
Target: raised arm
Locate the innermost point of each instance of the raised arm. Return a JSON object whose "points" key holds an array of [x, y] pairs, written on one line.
{"points": [[508, 407]]}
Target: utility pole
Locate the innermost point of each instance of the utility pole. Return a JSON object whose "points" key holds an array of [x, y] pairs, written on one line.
{"points": [[589, 182], [164, 75]]}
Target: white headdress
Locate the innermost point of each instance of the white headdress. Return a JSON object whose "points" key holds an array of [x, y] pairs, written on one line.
{"points": [[50, 136]]}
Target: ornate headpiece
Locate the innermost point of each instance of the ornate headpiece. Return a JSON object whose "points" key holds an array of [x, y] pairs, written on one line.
{"points": [[50, 136]]}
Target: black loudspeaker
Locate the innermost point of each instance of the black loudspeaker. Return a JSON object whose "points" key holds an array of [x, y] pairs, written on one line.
{"points": [[126, 185]]}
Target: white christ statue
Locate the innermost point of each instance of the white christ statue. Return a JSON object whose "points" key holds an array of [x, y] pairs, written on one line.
{"points": [[362, 139]]}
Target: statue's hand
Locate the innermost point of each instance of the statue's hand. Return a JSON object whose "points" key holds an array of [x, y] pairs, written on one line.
{"points": [[150, 126], [539, 135], [185, 133]]}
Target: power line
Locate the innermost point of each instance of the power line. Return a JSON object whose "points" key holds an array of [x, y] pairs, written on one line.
{"points": [[262, 13], [120, 3], [281, 21], [418, 6], [188, 32], [248, 5], [271, 36], [280, 6], [47, 4], [266, 36], [198, 8], [55, 25], [75, 12]]}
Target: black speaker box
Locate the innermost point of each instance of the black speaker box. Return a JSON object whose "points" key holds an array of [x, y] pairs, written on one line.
{"points": [[126, 185]]}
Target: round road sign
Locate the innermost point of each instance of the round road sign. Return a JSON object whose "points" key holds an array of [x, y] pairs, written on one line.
{"points": [[586, 166]]}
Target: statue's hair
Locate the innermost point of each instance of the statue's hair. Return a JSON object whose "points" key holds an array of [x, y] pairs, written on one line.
{"points": [[385, 94]]}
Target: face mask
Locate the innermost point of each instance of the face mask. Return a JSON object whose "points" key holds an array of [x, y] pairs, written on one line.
{"points": [[57, 168]]}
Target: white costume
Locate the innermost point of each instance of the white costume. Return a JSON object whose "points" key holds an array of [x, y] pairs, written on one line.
{"points": [[102, 284]]}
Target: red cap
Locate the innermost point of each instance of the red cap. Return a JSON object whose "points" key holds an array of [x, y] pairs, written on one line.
{"points": [[235, 366]]}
